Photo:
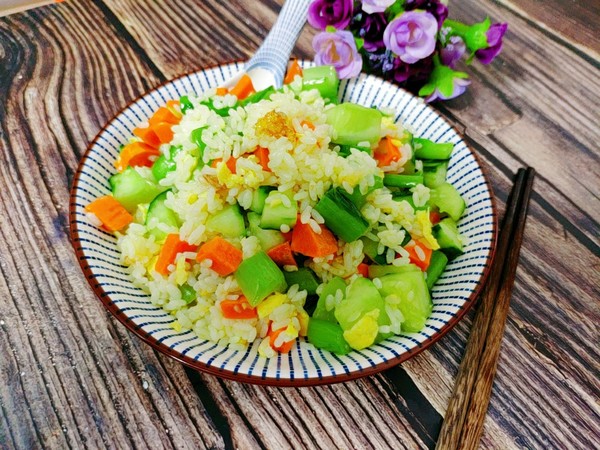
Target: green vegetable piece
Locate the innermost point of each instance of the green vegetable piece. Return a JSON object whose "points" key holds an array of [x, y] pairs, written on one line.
{"points": [[409, 198], [304, 278], [322, 78], [258, 277], [353, 124], [412, 295], [435, 175], [188, 293], [358, 198], [447, 235], [346, 150], [426, 149], [185, 104], [438, 263], [341, 215], [370, 248], [280, 209], [265, 94], [131, 189], [267, 238], [223, 112], [402, 181], [259, 197], [165, 164], [159, 214], [229, 222], [380, 271], [327, 336], [331, 288], [448, 200]]}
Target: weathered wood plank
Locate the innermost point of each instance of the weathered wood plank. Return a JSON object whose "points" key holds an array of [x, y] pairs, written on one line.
{"points": [[64, 383]]}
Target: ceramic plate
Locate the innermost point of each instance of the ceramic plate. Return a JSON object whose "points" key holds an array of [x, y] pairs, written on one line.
{"points": [[453, 294]]}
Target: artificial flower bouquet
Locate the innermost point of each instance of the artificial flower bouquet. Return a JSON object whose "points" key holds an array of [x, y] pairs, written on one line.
{"points": [[411, 42]]}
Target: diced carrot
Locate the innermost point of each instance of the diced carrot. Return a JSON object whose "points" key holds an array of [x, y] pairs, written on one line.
{"points": [[307, 124], [171, 248], [163, 131], [293, 70], [222, 91], [231, 163], [224, 256], [238, 309], [262, 154], [282, 255], [306, 242], [147, 135], [288, 236], [419, 254], [283, 348], [363, 269], [386, 152], [243, 88], [434, 217], [174, 106], [163, 114], [136, 154], [110, 212]]}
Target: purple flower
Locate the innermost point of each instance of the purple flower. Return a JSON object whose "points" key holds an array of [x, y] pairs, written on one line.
{"points": [[335, 13], [435, 7], [370, 28], [411, 36], [494, 40], [376, 6], [453, 51], [338, 50]]}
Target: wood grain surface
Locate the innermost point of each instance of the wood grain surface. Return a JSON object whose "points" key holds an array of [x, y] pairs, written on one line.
{"points": [[72, 377]]}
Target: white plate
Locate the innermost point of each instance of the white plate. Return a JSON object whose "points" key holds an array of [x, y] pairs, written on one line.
{"points": [[453, 294]]}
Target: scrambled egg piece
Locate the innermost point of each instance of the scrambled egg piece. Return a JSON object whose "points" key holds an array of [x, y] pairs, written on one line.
{"points": [[268, 305], [422, 218], [363, 333]]}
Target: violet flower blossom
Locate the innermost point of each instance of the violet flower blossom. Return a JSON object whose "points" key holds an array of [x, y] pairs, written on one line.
{"points": [[376, 6], [335, 13], [494, 40], [369, 27], [339, 50], [411, 35], [435, 7], [453, 51]]}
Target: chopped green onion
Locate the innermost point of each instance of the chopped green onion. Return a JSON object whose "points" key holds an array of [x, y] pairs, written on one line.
{"points": [[341, 215], [185, 104], [402, 181], [188, 293], [257, 96], [426, 149], [304, 278], [437, 265], [327, 336], [330, 288]]}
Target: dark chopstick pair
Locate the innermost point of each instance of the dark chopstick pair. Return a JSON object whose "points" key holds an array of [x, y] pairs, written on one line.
{"points": [[469, 402]]}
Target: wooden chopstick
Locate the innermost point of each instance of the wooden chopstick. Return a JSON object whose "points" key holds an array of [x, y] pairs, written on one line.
{"points": [[468, 404]]}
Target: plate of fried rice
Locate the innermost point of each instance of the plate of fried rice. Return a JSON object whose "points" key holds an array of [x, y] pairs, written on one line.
{"points": [[311, 234]]}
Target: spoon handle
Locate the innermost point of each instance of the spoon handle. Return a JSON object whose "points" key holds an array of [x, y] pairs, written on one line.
{"points": [[274, 54]]}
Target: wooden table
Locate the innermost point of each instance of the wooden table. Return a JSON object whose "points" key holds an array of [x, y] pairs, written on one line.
{"points": [[71, 376]]}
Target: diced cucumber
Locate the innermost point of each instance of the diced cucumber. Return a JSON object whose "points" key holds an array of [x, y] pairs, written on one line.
{"points": [[412, 295], [131, 189], [229, 222], [380, 271], [330, 288], [370, 248], [304, 278], [327, 336], [341, 215], [322, 78], [267, 238], [435, 175], [436, 267], [159, 214], [280, 209], [426, 149], [353, 124], [447, 235], [448, 200], [258, 277], [259, 197], [362, 297]]}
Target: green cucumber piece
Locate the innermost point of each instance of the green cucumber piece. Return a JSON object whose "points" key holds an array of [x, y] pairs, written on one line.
{"points": [[280, 209], [438, 263], [258, 277], [414, 299], [446, 234], [158, 213], [229, 222], [267, 238], [130, 188], [434, 176], [322, 78], [304, 278], [448, 200], [259, 196], [353, 124], [370, 248], [380, 271], [330, 288]]}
